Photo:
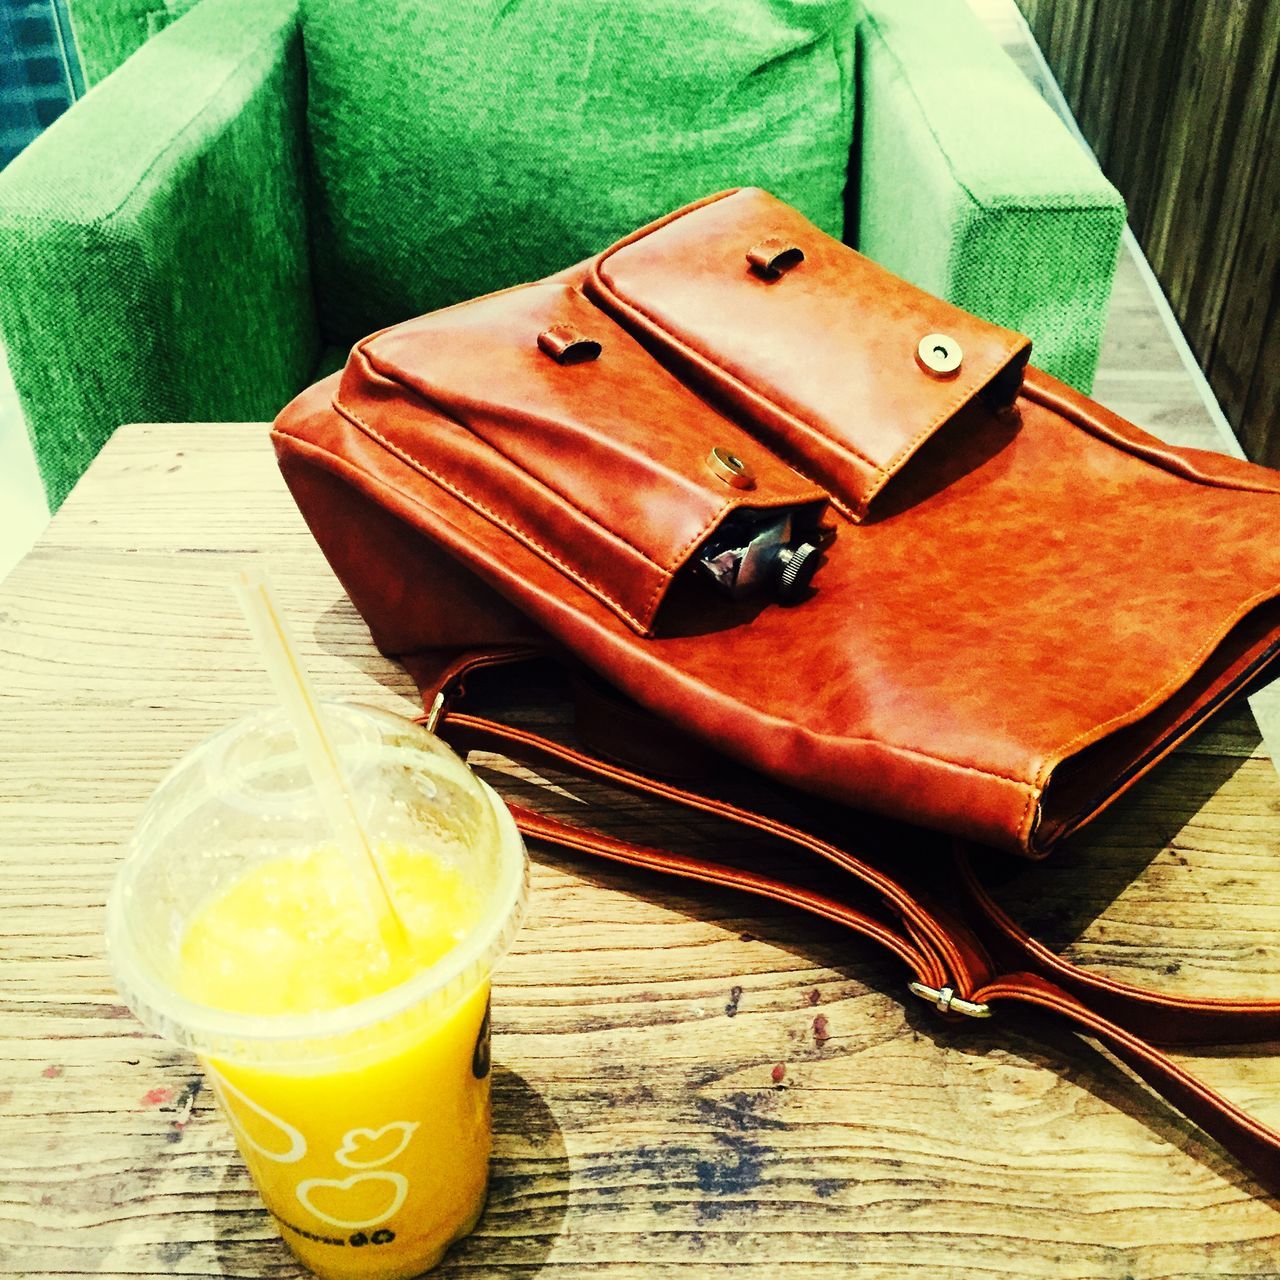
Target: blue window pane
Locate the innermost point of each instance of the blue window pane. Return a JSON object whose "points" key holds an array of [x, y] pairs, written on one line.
{"points": [[39, 73]]}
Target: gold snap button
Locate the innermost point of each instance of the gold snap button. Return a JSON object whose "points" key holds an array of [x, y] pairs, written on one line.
{"points": [[938, 355], [727, 466]]}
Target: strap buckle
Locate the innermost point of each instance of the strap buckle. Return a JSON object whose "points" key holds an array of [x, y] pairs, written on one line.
{"points": [[947, 1001]]}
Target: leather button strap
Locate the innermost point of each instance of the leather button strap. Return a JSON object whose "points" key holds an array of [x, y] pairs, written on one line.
{"points": [[565, 345], [774, 256]]}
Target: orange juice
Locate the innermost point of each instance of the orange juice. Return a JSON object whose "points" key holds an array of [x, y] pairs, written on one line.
{"points": [[354, 1070], [372, 1158]]}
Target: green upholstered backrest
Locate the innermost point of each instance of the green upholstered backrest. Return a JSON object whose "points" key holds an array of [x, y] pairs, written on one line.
{"points": [[458, 148]]}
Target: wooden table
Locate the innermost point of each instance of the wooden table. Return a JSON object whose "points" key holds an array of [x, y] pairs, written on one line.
{"points": [[639, 1026]]}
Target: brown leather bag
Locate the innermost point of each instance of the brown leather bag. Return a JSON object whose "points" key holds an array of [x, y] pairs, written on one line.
{"points": [[1024, 602]]}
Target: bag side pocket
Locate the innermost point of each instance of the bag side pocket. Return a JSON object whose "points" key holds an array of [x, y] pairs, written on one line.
{"points": [[553, 424], [837, 364]]}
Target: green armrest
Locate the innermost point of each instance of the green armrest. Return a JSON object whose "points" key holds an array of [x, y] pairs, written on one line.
{"points": [[153, 241], [971, 187]]}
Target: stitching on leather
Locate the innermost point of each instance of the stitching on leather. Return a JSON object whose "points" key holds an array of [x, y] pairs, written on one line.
{"points": [[876, 882], [969, 388], [679, 560], [641, 233], [1166, 690], [900, 749], [803, 423], [474, 503], [675, 561], [598, 272], [850, 510], [1024, 823], [381, 370]]}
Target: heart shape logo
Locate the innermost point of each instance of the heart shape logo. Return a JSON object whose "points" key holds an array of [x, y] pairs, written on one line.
{"points": [[268, 1135], [362, 1200], [365, 1148]]}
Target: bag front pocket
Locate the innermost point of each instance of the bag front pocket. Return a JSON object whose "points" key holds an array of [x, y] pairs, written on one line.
{"points": [[842, 367], [548, 419]]}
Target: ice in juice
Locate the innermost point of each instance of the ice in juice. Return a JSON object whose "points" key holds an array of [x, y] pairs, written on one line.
{"points": [[374, 1159]]}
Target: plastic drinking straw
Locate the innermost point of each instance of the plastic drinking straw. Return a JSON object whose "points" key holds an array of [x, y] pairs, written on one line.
{"points": [[293, 688]]}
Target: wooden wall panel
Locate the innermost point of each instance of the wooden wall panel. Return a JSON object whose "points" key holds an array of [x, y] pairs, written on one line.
{"points": [[1245, 367], [1106, 54], [1179, 100]]}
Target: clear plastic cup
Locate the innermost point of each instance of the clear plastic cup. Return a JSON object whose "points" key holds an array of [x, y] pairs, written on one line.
{"points": [[357, 1088]]}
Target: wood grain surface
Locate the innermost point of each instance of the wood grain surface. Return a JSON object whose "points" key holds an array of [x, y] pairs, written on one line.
{"points": [[640, 1027]]}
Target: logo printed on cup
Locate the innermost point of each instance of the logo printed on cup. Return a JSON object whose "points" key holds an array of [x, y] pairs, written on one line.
{"points": [[359, 1142], [480, 1058]]}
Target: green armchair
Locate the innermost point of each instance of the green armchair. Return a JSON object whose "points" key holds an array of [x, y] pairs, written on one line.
{"points": [[265, 180]]}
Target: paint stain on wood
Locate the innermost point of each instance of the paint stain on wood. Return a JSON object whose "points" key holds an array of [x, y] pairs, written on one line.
{"points": [[53, 1071], [157, 1097], [735, 1171], [735, 995], [185, 1101], [820, 1032], [742, 1111], [779, 1072], [814, 996]]}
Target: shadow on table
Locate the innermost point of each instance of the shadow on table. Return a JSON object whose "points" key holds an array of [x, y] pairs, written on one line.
{"points": [[1040, 1041], [341, 632], [528, 1185], [528, 1196], [1059, 899]]}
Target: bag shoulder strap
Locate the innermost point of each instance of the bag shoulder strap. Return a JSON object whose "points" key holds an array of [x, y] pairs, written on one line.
{"points": [[1156, 1015], [957, 964]]}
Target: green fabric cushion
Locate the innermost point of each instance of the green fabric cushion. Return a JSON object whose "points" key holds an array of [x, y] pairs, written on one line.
{"points": [[460, 148], [972, 188], [153, 242]]}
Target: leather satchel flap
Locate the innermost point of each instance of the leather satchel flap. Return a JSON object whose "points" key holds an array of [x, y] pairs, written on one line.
{"points": [[550, 421], [843, 367]]}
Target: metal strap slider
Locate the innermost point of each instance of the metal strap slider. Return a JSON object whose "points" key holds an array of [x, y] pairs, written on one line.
{"points": [[432, 717], [948, 1002]]}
